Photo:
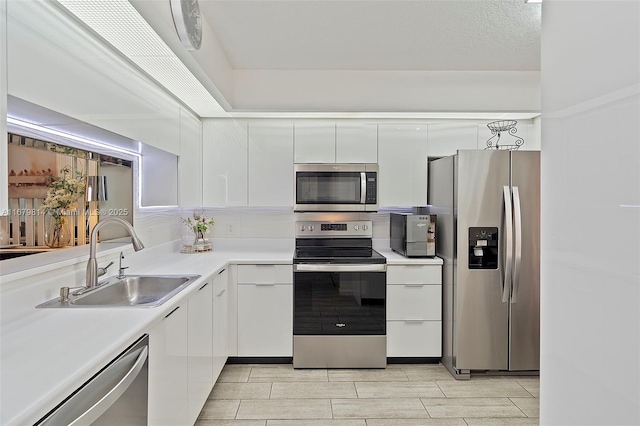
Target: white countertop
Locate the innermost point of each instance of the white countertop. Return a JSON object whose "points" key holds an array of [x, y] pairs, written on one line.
{"points": [[46, 354], [394, 258]]}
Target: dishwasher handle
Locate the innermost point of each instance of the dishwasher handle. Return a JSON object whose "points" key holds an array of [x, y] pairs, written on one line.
{"points": [[102, 391], [97, 409]]}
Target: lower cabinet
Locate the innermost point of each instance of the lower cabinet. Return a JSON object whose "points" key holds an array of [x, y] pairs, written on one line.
{"points": [[265, 310], [414, 311], [181, 360], [168, 369], [220, 322], [199, 349]]}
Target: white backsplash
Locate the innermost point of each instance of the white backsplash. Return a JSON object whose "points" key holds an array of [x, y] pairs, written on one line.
{"points": [[252, 222]]}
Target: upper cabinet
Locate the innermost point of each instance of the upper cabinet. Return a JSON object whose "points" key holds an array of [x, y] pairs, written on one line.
{"points": [[224, 159], [356, 143], [190, 162], [270, 163], [403, 164], [447, 139], [329, 142], [315, 142]]}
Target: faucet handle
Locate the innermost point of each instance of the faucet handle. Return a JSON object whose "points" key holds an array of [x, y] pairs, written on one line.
{"points": [[103, 270]]}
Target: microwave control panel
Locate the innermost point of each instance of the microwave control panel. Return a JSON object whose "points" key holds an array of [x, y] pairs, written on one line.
{"points": [[372, 191]]}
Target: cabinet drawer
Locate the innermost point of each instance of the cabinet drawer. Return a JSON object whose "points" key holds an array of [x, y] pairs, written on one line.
{"points": [[414, 302], [265, 274], [414, 274], [414, 338]]}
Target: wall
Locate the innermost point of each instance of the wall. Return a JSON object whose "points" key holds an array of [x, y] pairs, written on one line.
{"points": [[590, 242], [55, 63]]}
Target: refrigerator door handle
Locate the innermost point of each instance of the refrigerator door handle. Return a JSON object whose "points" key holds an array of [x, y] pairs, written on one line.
{"points": [[507, 261], [517, 248]]}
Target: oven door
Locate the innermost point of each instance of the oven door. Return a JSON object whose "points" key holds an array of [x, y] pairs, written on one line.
{"points": [[334, 300], [335, 187]]}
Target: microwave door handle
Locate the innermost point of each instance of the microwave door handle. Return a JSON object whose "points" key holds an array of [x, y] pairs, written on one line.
{"points": [[363, 187]]}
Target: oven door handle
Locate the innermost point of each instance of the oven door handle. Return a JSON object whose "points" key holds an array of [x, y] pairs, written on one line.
{"points": [[306, 267]]}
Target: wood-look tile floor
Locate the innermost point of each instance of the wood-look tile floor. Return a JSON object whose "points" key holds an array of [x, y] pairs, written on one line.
{"points": [[400, 395]]}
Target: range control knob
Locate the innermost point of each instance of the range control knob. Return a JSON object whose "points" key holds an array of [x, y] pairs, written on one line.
{"points": [[365, 227], [311, 227], [356, 227], [302, 228]]}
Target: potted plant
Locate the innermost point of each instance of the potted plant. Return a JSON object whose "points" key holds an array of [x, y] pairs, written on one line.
{"points": [[199, 225], [62, 197]]}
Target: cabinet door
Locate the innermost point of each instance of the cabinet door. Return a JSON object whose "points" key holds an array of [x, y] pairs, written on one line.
{"points": [[414, 338], [271, 164], [447, 139], [200, 349], [220, 322], [403, 164], [190, 161], [315, 142], [265, 320], [224, 157], [414, 302], [168, 372], [356, 143]]}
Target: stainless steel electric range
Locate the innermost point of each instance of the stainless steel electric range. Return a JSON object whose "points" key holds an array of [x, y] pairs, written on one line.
{"points": [[339, 292]]}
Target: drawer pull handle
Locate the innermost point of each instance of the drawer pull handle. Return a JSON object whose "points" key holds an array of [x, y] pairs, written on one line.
{"points": [[413, 321], [221, 293], [205, 284], [171, 313], [222, 271], [264, 284], [414, 285]]}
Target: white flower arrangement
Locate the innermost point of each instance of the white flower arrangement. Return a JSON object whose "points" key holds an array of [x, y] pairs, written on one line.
{"points": [[63, 193]]}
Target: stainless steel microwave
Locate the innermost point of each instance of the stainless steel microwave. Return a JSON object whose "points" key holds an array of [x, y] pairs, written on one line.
{"points": [[335, 187]]}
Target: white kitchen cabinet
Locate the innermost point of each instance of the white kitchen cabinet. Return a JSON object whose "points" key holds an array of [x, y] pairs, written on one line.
{"points": [[402, 159], [414, 274], [414, 301], [270, 170], [414, 338], [265, 310], [168, 369], [199, 349], [314, 142], [447, 138], [220, 322], [414, 310], [232, 305], [224, 156], [356, 143], [190, 161]]}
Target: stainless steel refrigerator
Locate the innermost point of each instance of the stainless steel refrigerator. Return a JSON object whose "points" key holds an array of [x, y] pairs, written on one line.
{"points": [[488, 207]]}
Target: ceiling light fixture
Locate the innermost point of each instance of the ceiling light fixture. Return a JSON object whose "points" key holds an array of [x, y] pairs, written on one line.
{"points": [[120, 24]]}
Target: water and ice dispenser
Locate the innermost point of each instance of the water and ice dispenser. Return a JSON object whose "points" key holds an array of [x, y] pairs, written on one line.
{"points": [[483, 248]]}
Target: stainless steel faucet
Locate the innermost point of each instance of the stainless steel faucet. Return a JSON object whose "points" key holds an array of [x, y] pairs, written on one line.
{"points": [[92, 264]]}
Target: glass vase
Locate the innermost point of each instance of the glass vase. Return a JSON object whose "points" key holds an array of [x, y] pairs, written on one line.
{"points": [[58, 231]]}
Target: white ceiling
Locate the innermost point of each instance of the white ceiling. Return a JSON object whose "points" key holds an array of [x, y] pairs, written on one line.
{"points": [[425, 35], [354, 56]]}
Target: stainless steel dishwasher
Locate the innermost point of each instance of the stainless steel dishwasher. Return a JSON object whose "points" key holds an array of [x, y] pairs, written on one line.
{"points": [[116, 395]]}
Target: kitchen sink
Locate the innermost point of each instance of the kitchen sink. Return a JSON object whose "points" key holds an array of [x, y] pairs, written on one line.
{"points": [[131, 291]]}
